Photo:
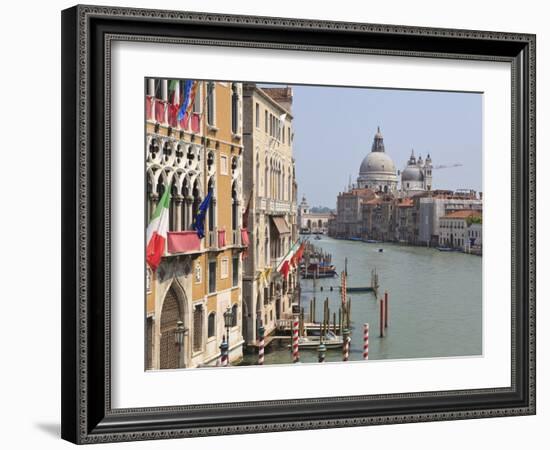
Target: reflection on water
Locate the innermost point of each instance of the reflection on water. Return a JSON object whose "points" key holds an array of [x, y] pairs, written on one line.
{"points": [[435, 306]]}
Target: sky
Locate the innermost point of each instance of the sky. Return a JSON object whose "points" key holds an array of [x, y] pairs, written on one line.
{"points": [[334, 128]]}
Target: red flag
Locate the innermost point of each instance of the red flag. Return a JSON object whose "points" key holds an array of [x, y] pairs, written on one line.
{"points": [[296, 258], [184, 123], [221, 238], [195, 122], [285, 268], [246, 211], [149, 107], [160, 107], [173, 115], [244, 237]]}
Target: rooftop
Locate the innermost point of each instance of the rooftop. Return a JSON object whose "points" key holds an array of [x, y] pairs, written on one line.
{"points": [[463, 214]]}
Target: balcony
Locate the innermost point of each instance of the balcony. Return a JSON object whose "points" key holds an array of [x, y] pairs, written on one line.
{"points": [[212, 239], [272, 206], [236, 234], [164, 113], [183, 242]]}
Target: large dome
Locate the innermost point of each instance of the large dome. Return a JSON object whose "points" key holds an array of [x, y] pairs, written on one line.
{"points": [[377, 162], [377, 170]]}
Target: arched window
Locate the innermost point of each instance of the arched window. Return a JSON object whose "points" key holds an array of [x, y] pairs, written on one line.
{"points": [[149, 199], [212, 206], [197, 328], [266, 178], [185, 222], [210, 104], [196, 200], [234, 108], [234, 312], [173, 220], [211, 324], [266, 248], [234, 208]]}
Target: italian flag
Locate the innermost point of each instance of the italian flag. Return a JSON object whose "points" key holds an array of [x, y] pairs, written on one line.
{"points": [[157, 231], [284, 266]]}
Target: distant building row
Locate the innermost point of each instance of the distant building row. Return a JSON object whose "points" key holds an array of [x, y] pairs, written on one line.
{"points": [[416, 214]]}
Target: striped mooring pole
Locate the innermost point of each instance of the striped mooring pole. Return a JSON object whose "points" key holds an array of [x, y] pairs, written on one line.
{"points": [[261, 333], [224, 353], [366, 341], [345, 344], [295, 337], [322, 349]]}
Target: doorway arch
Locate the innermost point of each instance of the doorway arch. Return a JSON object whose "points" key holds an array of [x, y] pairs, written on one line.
{"points": [[172, 311]]}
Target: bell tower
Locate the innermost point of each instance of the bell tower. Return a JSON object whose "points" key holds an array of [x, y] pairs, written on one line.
{"points": [[428, 173]]}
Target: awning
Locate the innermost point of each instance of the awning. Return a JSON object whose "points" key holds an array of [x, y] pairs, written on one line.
{"points": [[281, 225]]}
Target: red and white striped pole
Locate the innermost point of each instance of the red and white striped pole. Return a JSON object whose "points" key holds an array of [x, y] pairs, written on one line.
{"points": [[224, 353], [261, 332], [366, 341], [295, 337], [345, 345]]}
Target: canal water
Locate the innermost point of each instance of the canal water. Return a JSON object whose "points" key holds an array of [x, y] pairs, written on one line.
{"points": [[435, 302]]}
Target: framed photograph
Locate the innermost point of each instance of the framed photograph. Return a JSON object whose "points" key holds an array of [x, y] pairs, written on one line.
{"points": [[282, 224]]}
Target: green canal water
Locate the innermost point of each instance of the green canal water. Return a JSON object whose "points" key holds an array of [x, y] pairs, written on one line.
{"points": [[435, 302]]}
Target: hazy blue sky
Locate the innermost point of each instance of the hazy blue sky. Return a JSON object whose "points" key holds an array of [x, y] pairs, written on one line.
{"points": [[334, 129]]}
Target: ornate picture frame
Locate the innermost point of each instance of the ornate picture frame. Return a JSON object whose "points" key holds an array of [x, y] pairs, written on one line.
{"points": [[87, 35]]}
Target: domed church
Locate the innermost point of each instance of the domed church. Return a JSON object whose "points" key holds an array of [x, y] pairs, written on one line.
{"points": [[377, 171], [417, 176]]}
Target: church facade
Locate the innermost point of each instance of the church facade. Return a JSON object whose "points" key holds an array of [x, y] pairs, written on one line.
{"points": [[377, 171], [417, 176]]}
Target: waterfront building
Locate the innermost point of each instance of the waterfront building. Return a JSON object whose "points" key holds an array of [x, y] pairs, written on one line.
{"points": [[377, 171], [198, 280], [417, 175], [406, 230], [310, 221], [454, 228], [432, 206], [349, 221], [270, 189], [475, 238]]}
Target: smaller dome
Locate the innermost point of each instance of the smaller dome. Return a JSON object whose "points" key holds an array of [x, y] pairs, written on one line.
{"points": [[412, 173]]}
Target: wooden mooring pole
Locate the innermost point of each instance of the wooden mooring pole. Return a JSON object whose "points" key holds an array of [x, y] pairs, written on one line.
{"points": [[386, 309], [381, 317]]}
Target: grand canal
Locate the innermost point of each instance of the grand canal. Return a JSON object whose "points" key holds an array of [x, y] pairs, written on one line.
{"points": [[435, 302]]}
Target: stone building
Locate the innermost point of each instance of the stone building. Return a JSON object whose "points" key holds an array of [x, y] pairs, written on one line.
{"points": [[432, 206], [349, 221], [198, 280], [455, 228], [312, 222], [270, 184]]}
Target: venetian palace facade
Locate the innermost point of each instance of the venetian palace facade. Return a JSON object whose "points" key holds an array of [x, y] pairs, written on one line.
{"points": [[270, 191], [198, 279]]}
